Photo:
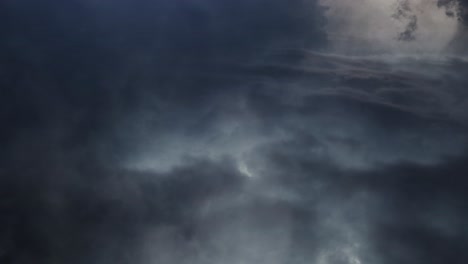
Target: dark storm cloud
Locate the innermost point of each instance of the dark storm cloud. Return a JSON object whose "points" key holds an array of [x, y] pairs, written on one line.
{"points": [[404, 12], [405, 212], [406, 209], [96, 60], [75, 74], [431, 201], [356, 177], [98, 216], [459, 5], [209, 132], [459, 10]]}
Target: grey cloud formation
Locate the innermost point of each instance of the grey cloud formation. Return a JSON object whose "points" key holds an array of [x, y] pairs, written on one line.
{"points": [[457, 8], [225, 132], [404, 12], [410, 27]]}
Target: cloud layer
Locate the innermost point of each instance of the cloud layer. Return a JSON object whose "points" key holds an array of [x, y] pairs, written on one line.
{"points": [[232, 132]]}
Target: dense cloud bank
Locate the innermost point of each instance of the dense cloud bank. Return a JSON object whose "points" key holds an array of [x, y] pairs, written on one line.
{"points": [[231, 132]]}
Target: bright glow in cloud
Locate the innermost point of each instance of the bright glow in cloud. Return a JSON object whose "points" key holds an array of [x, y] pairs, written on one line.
{"points": [[364, 26], [244, 169]]}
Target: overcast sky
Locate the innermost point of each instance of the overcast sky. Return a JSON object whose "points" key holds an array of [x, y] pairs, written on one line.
{"points": [[233, 131]]}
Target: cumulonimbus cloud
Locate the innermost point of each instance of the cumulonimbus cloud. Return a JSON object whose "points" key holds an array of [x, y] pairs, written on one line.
{"points": [[230, 131]]}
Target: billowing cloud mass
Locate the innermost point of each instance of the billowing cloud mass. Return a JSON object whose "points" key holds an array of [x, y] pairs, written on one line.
{"points": [[226, 132]]}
